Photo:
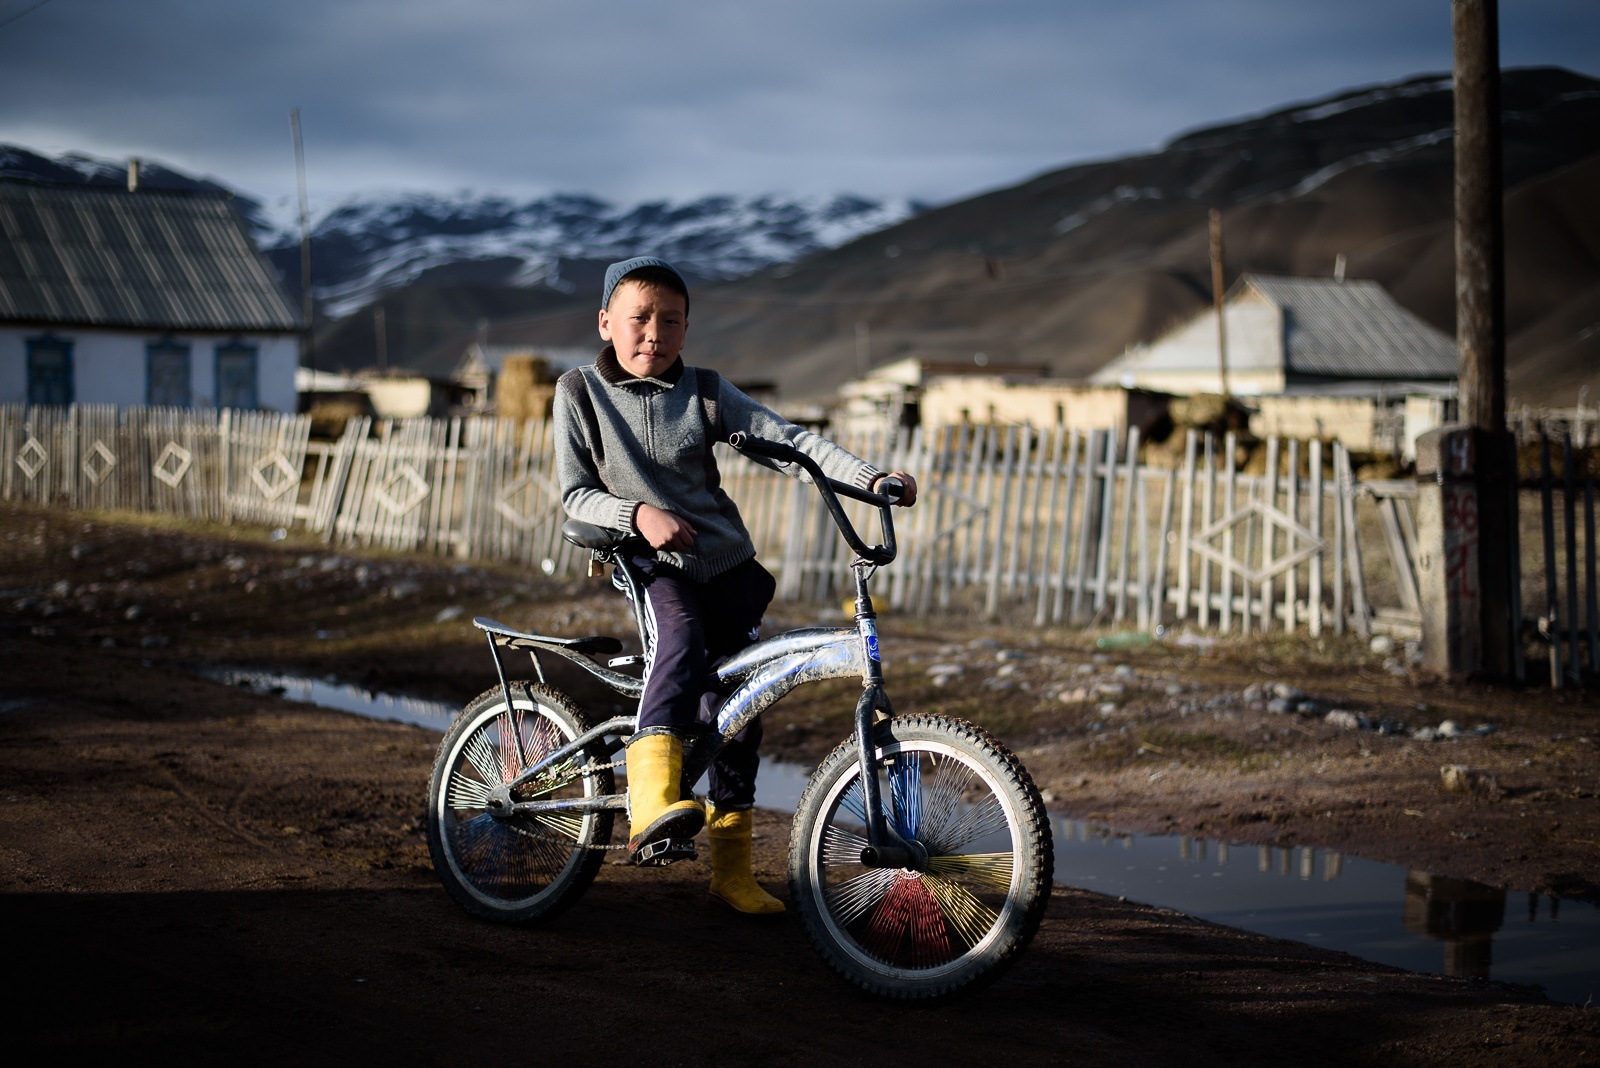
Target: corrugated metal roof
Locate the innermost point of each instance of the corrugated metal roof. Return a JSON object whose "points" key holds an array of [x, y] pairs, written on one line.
{"points": [[90, 257], [1354, 329]]}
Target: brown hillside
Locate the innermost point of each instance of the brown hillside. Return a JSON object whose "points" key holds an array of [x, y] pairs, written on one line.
{"points": [[1070, 267]]}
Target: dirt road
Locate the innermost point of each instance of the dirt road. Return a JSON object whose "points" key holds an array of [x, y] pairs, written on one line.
{"points": [[190, 868]]}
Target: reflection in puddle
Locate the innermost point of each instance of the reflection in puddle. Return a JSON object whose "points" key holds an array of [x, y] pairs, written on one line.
{"points": [[1376, 911], [435, 715]]}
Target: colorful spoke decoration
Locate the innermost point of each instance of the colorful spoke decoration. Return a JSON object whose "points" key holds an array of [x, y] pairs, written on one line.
{"points": [[511, 858], [908, 927], [910, 919], [905, 794]]}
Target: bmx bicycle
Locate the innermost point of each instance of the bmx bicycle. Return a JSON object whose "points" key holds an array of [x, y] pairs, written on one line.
{"points": [[920, 856]]}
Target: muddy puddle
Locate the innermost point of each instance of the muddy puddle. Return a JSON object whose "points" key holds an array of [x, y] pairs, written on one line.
{"points": [[1372, 910]]}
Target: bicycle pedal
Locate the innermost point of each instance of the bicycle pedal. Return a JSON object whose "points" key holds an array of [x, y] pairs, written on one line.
{"points": [[665, 851]]}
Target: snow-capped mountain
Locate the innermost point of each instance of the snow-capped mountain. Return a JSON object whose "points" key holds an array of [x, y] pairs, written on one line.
{"points": [[371, 244]]}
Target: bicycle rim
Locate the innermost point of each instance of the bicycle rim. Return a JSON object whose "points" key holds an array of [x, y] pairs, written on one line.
{"points": [[513, 864], [908, 933]]}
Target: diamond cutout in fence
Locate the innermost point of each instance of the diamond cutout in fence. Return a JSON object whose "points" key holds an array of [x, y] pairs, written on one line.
{"points": [[1270, 517], [406, 481], [274, 476], [173, 464], [98, 464], [530, 513], [32, 457]]}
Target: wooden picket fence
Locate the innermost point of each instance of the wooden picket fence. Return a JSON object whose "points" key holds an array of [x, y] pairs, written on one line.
{"points": [[1061, 525], [1565, 594], [213, 465], [1058, 525]]}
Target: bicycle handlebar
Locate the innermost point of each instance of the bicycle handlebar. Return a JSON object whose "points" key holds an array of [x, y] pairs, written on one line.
{"points": [[831, 491]]}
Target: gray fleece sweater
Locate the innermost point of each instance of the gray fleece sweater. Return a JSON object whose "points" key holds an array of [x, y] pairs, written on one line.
{"points": [[623, 441]]}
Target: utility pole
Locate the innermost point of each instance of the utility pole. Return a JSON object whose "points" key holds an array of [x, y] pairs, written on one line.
{"points": [[381, 333], [1480, 264], [307, 311], [1216, 298], [1481, 325], [1469, 573]]}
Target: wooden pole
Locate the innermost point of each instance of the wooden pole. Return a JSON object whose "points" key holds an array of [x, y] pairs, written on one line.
{"points": [[1217, 289], [1479, 235], [1314, 581], [1186, 523], [1480, 315], [307, 310]]}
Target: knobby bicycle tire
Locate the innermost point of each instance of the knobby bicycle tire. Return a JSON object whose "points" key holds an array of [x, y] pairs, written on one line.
{"points": [[909, 935], [526, 868]]}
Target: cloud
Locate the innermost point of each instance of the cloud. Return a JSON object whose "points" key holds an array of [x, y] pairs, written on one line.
{"points": [[632, 100]]}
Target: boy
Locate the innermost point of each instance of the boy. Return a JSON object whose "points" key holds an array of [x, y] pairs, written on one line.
{"points": [[634, 432]]}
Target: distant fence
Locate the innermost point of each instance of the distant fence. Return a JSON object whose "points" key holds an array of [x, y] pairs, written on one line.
{"points": [[1060, 525]]}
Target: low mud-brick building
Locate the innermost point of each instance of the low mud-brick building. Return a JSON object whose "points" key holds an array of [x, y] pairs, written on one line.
{"points": [[134, 297]]}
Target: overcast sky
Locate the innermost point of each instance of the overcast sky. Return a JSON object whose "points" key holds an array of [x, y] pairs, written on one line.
{"points": [[640, 99]]}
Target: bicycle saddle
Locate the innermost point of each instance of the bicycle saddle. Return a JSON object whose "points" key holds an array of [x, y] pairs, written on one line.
{"points": [[589, 536]]}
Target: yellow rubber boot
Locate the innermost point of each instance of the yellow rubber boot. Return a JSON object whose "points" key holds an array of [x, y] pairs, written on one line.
{"points": [[656, 809], [731, 878]]}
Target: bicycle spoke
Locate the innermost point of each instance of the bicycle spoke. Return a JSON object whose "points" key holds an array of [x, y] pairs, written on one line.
{"points": [[466, 793], [970, 917], [951, 780], [481, 845], [987, 869], [540, 740], [568, 826], [908, 927], [851, 899], [841, 847], [510, 744], [483, 757], [854, 800], [975, 822], [905, 794]]}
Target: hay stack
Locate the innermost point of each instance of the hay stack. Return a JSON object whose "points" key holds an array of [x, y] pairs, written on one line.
{"points": [[525, 389]]}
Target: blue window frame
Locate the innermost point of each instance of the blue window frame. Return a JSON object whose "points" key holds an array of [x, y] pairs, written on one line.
{"points": [[167, 377], [237, 376], [50, 371]]}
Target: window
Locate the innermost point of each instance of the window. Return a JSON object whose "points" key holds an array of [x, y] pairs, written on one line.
{"points": [[236, 375], [49, 371], [167, 374]]}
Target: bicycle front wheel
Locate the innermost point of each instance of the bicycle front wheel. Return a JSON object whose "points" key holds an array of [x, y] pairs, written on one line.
{"points": [[523, 868], [908, 934]]}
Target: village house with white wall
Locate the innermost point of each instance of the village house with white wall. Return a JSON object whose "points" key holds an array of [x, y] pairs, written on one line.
{"points": [[139, 298], [1315, 357], [1312, 357]]}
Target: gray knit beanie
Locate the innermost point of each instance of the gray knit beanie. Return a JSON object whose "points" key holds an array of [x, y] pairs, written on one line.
{"points": [[617, 271]]}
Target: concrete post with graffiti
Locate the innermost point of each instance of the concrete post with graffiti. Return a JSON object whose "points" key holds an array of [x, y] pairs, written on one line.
{"points": [[1459, 551]]}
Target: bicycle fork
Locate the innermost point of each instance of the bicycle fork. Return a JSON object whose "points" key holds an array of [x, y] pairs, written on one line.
{"points": [[885, 848]]}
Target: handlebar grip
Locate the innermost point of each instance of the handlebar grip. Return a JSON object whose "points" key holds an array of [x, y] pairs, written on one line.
{"points": [[891, 488], [773, 450]]}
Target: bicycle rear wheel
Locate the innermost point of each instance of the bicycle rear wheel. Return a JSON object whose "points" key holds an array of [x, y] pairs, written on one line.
{"points": [[524, 868], [914, 935]]}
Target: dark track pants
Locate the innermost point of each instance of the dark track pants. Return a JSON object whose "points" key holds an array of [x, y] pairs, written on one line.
{"points": [[696, 624]]}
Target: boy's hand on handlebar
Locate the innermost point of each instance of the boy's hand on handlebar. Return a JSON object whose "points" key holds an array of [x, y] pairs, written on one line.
{"points": [[662, 529], [909, 497]]}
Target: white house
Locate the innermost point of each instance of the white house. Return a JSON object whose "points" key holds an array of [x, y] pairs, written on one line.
{"points": [[1293, 335], [135, 298]]}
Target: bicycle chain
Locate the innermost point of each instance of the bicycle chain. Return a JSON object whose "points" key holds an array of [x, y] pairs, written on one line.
{"points": [[588, 769]]}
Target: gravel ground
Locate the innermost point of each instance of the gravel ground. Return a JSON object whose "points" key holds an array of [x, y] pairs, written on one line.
{"points": [[213, 869]]}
